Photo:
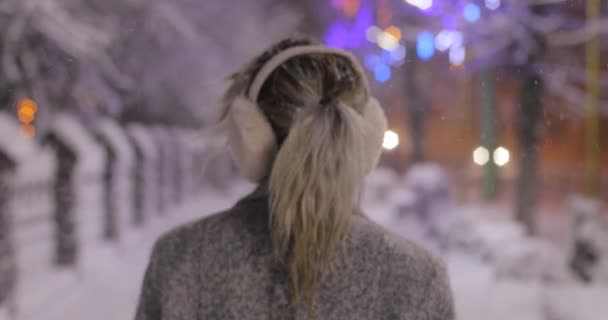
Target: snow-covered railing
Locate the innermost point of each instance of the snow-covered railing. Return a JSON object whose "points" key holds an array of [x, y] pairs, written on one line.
{"points": [[201, 149], [38, 234], [30, 199], [118, 179], [37, 237], [8, 152], [79, 185], [8, 263], [163, 140], [212, 160], [189, 161], [146, 172], [177, 150]]}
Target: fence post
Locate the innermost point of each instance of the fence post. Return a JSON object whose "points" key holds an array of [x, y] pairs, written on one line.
{"points": [[66, 239], [8, 265]]}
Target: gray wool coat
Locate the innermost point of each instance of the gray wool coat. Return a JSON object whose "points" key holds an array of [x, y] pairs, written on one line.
{"points": [[221, 267]]}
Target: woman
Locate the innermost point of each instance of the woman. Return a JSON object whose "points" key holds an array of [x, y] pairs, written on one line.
{"points": [[301, 123]]}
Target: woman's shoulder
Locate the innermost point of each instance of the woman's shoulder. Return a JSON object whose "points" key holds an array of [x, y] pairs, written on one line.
{"points": [[399, 254], [410, 272], [205, 231]]}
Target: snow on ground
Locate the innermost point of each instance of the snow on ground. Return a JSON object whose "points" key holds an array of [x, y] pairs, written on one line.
{"points": [[111, 289], [521, 280]]}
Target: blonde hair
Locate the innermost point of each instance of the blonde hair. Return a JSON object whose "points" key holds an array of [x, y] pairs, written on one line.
{"points": [[314, 103]]}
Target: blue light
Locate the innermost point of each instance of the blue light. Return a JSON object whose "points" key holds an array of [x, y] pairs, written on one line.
{"points": [[425, 46], [382, 73], [371, 61], [471, 12], [386, 57], [364, 20], [337, 35], [349, 34]]}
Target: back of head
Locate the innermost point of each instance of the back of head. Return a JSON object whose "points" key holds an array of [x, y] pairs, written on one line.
{"points": [[316, 104]]}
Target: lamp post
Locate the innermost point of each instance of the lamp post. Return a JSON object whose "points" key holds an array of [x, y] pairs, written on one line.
{"points": [[592, 60]]}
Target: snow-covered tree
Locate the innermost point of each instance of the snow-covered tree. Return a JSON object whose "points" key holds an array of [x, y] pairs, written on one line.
{"points": [[536, 41], [155, 60]]}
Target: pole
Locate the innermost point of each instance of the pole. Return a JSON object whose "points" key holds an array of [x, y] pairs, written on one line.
{"points": [[488, 134], [592, 59], [416, 104]]}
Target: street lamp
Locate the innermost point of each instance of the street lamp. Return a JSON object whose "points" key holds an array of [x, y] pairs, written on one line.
{"points": [[391, 140], [501, 156]]}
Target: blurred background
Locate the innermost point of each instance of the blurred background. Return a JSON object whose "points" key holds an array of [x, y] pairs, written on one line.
{"points": [[496, 157]]}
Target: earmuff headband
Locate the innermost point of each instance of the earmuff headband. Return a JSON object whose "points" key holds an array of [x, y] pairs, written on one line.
{"points": [[251, 138], [282, 57]]}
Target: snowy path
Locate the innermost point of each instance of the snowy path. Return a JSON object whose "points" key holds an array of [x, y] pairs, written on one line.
{"points": [[110, 286]]}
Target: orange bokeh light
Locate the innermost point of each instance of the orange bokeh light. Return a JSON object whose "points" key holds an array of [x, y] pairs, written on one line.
{"points": [[394, 31], [26, 110], [25, 117], [28, 103], [28, 130]]}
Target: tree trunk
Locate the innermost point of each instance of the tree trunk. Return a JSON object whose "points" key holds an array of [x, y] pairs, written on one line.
{"points": [[528, 121], [416, 104]]}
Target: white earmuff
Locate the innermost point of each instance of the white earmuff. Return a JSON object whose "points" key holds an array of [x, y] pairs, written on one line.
{"points": [[251, 140]]}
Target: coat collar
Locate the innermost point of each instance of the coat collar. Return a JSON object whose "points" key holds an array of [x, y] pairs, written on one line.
{"points": [[258, 194]]}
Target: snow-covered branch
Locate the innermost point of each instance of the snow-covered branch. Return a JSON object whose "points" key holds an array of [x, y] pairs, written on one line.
{"points": [[581, 35], [558, 84]]}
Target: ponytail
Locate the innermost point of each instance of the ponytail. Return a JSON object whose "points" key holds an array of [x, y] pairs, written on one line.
{"points": [[314, 186]]}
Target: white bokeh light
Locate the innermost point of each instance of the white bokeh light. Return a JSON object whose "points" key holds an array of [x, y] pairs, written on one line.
{"points": [[448, 39], [421, 4], [457, 55], [501, 156], [391, 140], [443, 40], [492, 4], [481, 156], [387, 42], [373, 33]]}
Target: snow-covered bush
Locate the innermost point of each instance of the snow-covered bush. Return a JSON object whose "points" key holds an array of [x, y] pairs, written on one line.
{"points": [[478, 233], [405, 202], [574, 302], [502, 243], [532, 259], [379, 185], [430, 185], [589, 257]]}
